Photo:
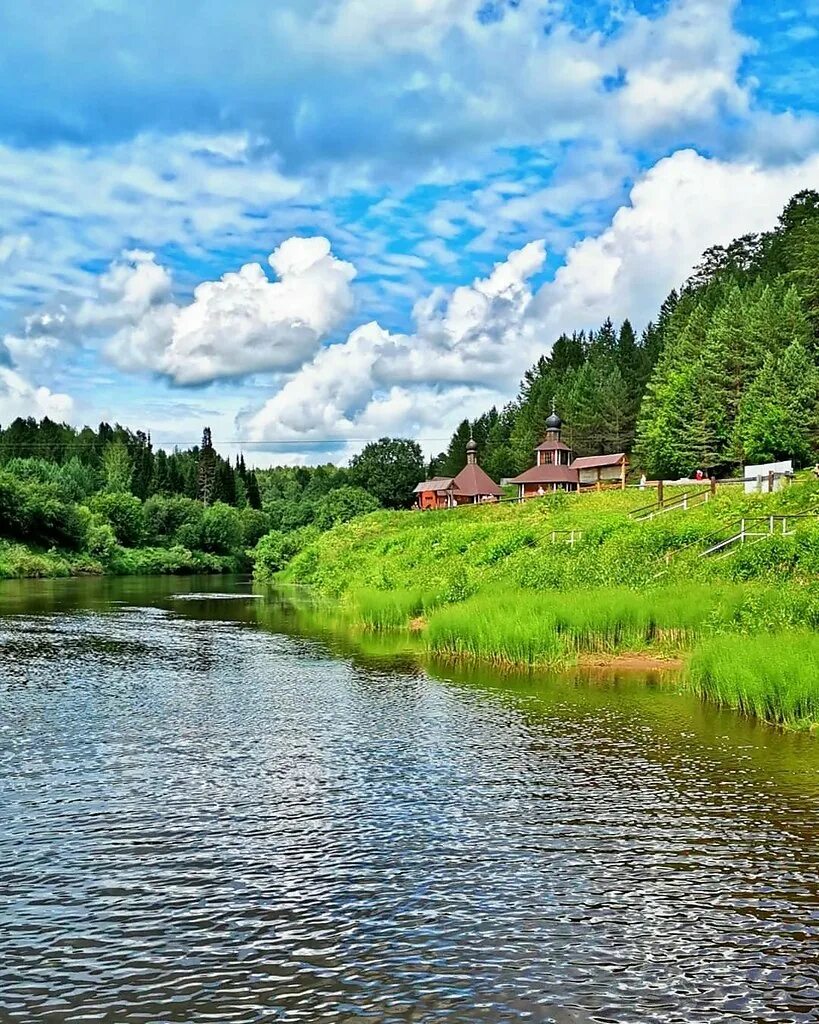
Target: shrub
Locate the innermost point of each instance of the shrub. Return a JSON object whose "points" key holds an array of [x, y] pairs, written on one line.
{"points": [[255, 524], [343, 504], [221, 529], [123, 513], [166, 517]]}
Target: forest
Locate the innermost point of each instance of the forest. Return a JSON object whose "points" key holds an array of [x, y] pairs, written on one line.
{"points": [[727, 373]]}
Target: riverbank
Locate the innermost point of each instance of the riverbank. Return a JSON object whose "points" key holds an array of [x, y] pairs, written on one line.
{"points": [[20, 561], [569, 579]]}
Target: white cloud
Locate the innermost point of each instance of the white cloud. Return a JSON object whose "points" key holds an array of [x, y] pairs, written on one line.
{"points": [[240, 324], [13, 246], [65, 205], [467, 344], [683, 205], [469, 348], [18, 397]]}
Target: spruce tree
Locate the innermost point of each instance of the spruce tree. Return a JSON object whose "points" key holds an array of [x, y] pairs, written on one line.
{"points": [[206, 469]]}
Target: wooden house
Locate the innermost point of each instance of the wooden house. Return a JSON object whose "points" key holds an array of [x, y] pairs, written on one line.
{"points": [[556, 469], [470, 487]]}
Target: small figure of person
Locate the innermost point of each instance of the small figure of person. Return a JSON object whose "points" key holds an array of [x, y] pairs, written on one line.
{"points": [[816, 470], [699, 475], [540, 492], [643, 482]]}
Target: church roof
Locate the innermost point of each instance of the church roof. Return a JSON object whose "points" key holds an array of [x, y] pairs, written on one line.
{"points": [[551, 446], [547, 475], [473, 481]]}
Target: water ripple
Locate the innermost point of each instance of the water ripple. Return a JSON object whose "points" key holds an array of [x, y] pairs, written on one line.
{"points": [[204, 822]]}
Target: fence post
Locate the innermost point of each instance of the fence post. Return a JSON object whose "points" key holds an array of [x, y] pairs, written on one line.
{"points": [[713, 485], [660, 493], [770, 481], [742, 534], [771, 530]]}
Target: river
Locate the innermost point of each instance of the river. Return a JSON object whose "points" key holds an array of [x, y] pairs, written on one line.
{"points": [[214, 810]]}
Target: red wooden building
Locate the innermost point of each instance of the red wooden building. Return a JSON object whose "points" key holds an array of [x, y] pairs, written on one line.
{"points": [[470, 487]]}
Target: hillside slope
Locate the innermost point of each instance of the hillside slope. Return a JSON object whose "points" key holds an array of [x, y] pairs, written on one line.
{"points": [[452, 554]]}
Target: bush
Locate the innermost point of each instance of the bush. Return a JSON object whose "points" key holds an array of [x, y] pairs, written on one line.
{"points": [[36, 513], [123, 513], [276, 549], [173, 520], [255, 524], [343, 504], [221, 529], [102, 542]]}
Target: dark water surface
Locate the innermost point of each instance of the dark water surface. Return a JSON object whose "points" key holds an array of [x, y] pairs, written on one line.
{"points": [[211, 813]]}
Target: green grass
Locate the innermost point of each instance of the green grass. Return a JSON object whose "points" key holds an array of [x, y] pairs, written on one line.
{"points": [[520, 628], [774, 676], [491, 585], [464, 550]]}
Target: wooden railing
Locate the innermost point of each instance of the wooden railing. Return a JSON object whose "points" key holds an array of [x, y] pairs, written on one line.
{"points": [[688, 499], [754, 528]]}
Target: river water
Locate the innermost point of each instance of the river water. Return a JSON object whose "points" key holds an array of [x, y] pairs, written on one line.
{"points": [[212, 810]]}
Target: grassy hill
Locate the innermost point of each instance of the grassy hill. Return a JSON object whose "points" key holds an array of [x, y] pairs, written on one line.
{"points": [[505, 584], [451, 554]]}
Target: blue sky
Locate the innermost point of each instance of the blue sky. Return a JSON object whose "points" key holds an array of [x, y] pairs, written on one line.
{"points": [[422, 195]]}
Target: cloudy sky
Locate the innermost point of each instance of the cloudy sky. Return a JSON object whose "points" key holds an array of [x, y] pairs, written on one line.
{"points": [[311, 223]]}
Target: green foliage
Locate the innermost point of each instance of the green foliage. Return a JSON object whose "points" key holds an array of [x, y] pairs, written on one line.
{"points": [[174, 520], [117, 467], [342, 504], [777, 416], [389, 469], [774, 677], [221, 529], [123, 513], [255, 524], [37, 513], [276, 549]]}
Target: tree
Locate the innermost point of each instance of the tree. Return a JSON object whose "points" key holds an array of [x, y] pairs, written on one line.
{"points": [[778, 413], [343, 504], [117, 467], [123, 513], [254, 498], [206, 469], [389, 469], [221, 529]]}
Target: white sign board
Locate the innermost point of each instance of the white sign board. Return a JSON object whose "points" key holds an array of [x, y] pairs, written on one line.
{"points": [[756, 477]]}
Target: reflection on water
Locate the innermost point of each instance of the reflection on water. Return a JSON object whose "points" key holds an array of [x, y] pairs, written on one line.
{"points": [[211, 810]]}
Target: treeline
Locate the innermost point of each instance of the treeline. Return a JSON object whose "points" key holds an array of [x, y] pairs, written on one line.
{"points": [[726, 374], [83, 462]]}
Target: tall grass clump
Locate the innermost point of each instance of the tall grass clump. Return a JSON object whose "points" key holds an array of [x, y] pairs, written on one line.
{"points": [[772, 676], [379, 610], [526, 628]]}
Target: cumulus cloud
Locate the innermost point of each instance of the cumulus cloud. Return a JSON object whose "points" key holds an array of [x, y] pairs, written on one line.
{"points": [[18, 397], [471, 342], [680, 207], [238, 325]]}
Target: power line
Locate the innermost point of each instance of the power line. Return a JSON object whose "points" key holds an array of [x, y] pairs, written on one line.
{"points": [[195, 444]]}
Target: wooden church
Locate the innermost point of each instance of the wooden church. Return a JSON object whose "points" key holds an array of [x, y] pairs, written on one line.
{"points": [[556, 469], [471, 486]]}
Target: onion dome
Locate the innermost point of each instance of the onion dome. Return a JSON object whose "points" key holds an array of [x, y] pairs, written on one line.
{"points": [[472, 445], [554, 422]]}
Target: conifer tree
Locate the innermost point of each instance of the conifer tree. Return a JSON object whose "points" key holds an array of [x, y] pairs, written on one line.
{"points": [[206, 469]]}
